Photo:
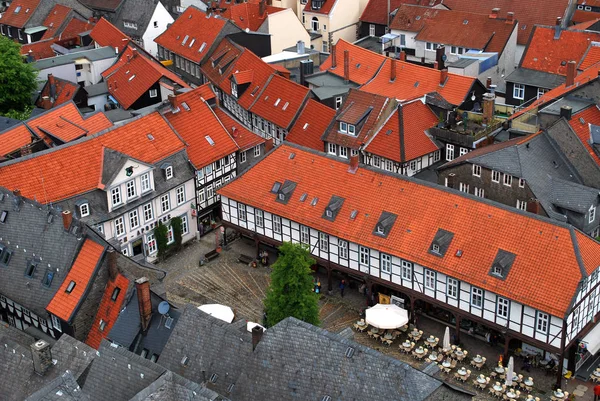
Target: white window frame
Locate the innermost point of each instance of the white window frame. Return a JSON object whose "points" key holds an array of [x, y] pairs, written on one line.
{"points": [[521, 182], [180, 195], [168, 172], [519, 91], [343, 127], [145, 182], [56, 323], [338, 102], [153, 93], [502, 307], [324, 242], [185, 228], [134, 219], [343, 152], [242, 216], [521, 204], [476, 297], [277, 224], [115, 196], [165, 203], [151, 243], [331, 148], [314, 24], [351, 129], [430, 279], [84, 209], [407, 270], [463, 187], [130, 189], [463, 151], [507, 180], [365, 256], [342, 249], [541, 92], [495, 176], [259, 218], [371, 29], [452, 288], [542, 322], [592, 214], [242, 157], [148, 212], [119, 227], [476, 170], [449, 152], [385, 262], [304, 234], [480, 192], [257, 151], [170, 235]]}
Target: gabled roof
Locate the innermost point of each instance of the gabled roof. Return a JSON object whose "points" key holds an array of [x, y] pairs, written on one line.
{"points": [[106, 34], [105, 5], [584, 25], [311, 124], [404, 136], [243, 137], [580, 123], [545, 53], [139, 12], [62, 388], [13, 139], [185, 121], [19, 12], [220, 64], [134, 73], [74, 27], [55, 20], [456, 28], [325, 8], [280, 101], [364, 64], [39, 50], [58, 174], [56, 91], [527, 12], [247, 15], [535, 240], [414, 81], [65, 304], [376, 10]]}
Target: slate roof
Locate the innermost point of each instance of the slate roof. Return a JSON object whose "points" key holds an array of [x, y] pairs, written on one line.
{"points": [[106, 34], [539, 79], [311, 124], [137, 11], [572, 196], [63, 388], [535, 240], [243, 137], [107, 5], [172, 387]]}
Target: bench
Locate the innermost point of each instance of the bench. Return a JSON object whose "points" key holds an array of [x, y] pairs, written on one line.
{"points": [[245, 259], [211, 255]]}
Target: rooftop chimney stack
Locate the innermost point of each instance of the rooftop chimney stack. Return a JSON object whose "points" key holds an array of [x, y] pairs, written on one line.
{"points": [[571, 70], [393, 70], [403, 55], [510, 18], [300, 47], [41, 356], [143, 293], [111, 260], [439, 56], [558, 28], [262, 7], [436, 66], [495, 12], [346, 66], [488, 82], [353, 163], [566, 112], [443, 76], [450, 180], [67, 219], [257, 333], [333, 59], [533, 206], [488, 107]]}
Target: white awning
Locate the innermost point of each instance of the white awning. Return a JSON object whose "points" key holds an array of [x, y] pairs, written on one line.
{"points": [[386, 316], [592, 340]]}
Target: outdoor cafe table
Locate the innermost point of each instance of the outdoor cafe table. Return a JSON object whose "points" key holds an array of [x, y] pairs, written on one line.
{"points": [[415, 333], [597, 372], [481, 379], [499, 369], [433, 356], [459, 353], [478, 359], [497, 387], [446, 364], [528, 382], [431, 340], [406, 344], [559, 395], [462, 371], [419, 350], [511, 394]]}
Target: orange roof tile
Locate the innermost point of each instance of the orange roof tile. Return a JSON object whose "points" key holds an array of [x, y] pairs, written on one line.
{"points": [[200, 151], [201, 32], [591, 115], [56, 17], [133, 74], [591, 57], [582, 16], [67, 171], [218, 67], [106, 34], [75, 27], [243, 137], [243, 77], [582, 26], [415, 118], [108, 310], [60, 90], [280, 101], [527, 12], [247, 15], [480, 227], [544, 53], [414, 81], [326, 7], [376, 10], [39, 50], [14, 139], [364, 63], [64, 304], [311, 124], [18, 12]]}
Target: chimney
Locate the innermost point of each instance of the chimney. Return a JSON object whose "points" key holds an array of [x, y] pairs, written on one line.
{"points": [[346, 66], [488, 82], [353, 164], [333, 59], [440, 52], [172, 101], [557, 28], [257, 333], [510, 18], [436, 66], [450, 180], [234, 132], [67, 219], [143, 293], [443, 77], [488, 107], [41, 356], [300, 47], [566, 112], [393, 70], [570, 74], [403, 55], [134, 53], [533, 206], [495, 12], [111, 260], [261, 8]]}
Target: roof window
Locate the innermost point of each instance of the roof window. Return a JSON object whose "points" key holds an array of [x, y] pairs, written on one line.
{"points": [[230, 387], [314, 201], [349, 352], [30, 270], [303, 197], [384, 224], [131, 77], [333, 208], [192, 42], [276, 187], [18, 9], [214, 378], [3, 216], [441, 242], [185, 39], [277, 101], [48, 277], [502, 264], [285, 106], [185, 106], [169, 322], [353, 214], [185, 361], [5, 255], [202, 47], [305, 126], [285, 192], [70, 287], [209, 140]]}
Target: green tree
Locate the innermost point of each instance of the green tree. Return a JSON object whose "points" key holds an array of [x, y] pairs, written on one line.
{"points": [[290, 292], [177, 231], [160, 233], [17, 79]]}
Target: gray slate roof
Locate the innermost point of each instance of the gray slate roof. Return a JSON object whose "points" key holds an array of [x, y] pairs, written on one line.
{"points": [[6, 123], [138, 11], [172, 387], [573, 196], [535, 78], [44, 8], [97, 89], [101, 53], [63, 388]]}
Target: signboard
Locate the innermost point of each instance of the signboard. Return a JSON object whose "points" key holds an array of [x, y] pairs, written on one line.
{"points": [[397, 301], [384, 299]]}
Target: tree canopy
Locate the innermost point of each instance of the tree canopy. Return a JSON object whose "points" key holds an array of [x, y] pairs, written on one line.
{"points": [[290, 292], [17, 79]]}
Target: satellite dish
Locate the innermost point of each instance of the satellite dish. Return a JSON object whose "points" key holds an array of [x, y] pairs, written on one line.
{"points": [[163, 307]]}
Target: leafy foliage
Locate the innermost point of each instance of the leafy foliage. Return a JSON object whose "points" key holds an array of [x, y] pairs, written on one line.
{"points": [[160, 233], [290, 292], [177, 231], [17, 79], [20, 114]]}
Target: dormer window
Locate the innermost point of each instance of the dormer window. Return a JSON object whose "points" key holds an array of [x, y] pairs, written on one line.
{"points": [[441, 243], [435, 248], [351, 129], [384, 224], [234, 91], [497, 270], [30, 270], [380, 230], [84, 209], [285, 191], [502, 264], [328, 213], [333, 208], [169, 172], [343, 127]]}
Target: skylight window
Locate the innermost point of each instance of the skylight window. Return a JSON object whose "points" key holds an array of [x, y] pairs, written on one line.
{"points": [[277, 102], [209, 140], [305, 126], [70, 287], [314, 201], [285, 106], [353, 214], [185, 106], [3, 216], [185, 40], [202, 47], [18, 9], [150, 136], [192, 42], [303, 197], [131, 77]]}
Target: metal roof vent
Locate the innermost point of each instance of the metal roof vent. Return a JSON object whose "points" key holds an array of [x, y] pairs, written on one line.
{"points": [[349, 352], [353, 214], [314, 201]]}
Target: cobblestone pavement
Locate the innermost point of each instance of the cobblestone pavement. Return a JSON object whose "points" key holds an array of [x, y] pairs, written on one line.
{"points": [[226, 281]]}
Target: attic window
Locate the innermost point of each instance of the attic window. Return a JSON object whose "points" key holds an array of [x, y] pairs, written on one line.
{"points": [[70, 287], [285, 106], [3, 216], [115, 294], [305, 126], [30, 270], [185, 106], [202, 46], [349, 352], [326, 398], [277, 102], [192, 42], [47, 279], [314, 201], [185, 361], [5, 255], [102, 325], [214, 378], [333, 208], [285, 192], [185, 39], [150, 136], [384, 224], [303, 197], [209, 140], [18, 9], [276, 187], [169, 322], [168, 172], [441, 242], [465, 22], [502, 264], [131, 77], [353, 214], [230, 387]]}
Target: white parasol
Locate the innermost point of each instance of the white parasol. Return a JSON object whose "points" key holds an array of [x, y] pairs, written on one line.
{"points": [[222, 312], [386, 316], [509, 373], [446, 343]]}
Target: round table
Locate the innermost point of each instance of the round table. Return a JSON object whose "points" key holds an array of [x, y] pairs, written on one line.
{"points": [[432, 357], [461, 372], [499, 369], [446, 364], [406, 344], [528, 382], [481, 380], [477, 360], [430, 340], [459, 353], [558, 395], [497, 388], [511, 395], [419, 350], [596, 373], [415, 334]]}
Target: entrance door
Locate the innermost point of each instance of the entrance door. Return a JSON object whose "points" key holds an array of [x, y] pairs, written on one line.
{"points": [[138, 247]]}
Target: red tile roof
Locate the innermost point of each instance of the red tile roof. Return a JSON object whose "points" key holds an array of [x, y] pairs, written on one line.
{"points": [[75, 27], [108, 310], [55, 19], [325, 8], [582, 26], [280, 101], [219, 66], [311, 124], [544, 53], [366, 111], [106, 34], [39, 50], [480, 228], [416, 118], [376, 10], [591, 57], [247, 15], [528, 12], [449, 27], [591, 115], [61, 90], [364, 63], [19, 18], [414, 81], [581, 16], [243, 137], [67, 171], [185, 122], [64, 304], [14, 139], [133, 74], [201, 33], [243, 77]]}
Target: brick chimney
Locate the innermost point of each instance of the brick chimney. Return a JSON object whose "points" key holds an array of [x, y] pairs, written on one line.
{"points": [[533, 206], [439, 56], [333, 55], [557, 28], [257, 333], [346, 66], [111, 261], [488, 107], [570, 73], [67, 219], [353, 164], [510, 18], [262, 8], [403, 55], [495, 12], [143, 293], [443, 76], [488, 82], [393, 70], [41, 356]]}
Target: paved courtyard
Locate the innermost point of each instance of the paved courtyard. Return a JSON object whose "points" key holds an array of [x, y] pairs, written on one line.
{"points": [[226, 281]]}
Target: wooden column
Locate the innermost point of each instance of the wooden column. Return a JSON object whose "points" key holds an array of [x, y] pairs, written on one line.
{"points": [[506, 342], [563, 343], [329, 279], [457, 328], [257, 244]]}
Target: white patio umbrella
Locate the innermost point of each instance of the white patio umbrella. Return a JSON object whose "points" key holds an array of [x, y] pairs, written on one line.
{"points": [[386, 316], [509, 373], [251, 325], [222, 312], [446, 342]]}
